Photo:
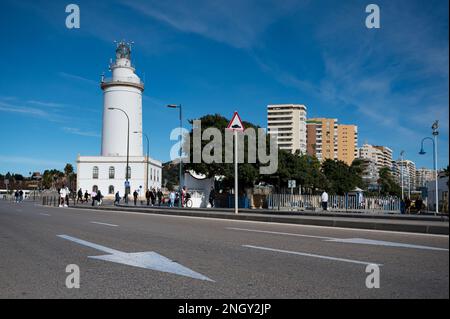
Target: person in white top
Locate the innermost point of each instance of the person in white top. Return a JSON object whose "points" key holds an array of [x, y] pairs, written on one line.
{"points": [[62, 195], [324, 198]]}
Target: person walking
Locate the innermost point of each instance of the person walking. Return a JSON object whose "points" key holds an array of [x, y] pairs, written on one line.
{"points": [[407, 205], [80, 196], [419, 204], [86, 196], [160, 196], [148, 196], [117, 199], [135, 196], [62, 196], [93, 197], [171, 199], [324, 198], [16, 196], [20, 195], [212, 197], [153, 197]]}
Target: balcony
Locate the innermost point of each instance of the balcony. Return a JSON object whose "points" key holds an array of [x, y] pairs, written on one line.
{"points": [[125, 81]]}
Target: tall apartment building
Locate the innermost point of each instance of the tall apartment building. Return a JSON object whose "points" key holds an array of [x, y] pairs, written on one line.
{"points": [[288, 121], [387, 156], [326, 139], [406, 168], [423, 176]]}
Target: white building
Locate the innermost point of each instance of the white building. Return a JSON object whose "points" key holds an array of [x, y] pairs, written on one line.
{"points": [[288, 121], [121, 136]]}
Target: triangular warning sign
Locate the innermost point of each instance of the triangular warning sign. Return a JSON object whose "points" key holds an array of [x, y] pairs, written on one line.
{"points": [[236, 123]]}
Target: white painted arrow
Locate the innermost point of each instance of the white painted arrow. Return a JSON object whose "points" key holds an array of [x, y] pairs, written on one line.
{"points": [[147, 260]]}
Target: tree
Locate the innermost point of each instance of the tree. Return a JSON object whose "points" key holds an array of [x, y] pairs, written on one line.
{"points": [[341, 177], [388, 185], [68, 170]]}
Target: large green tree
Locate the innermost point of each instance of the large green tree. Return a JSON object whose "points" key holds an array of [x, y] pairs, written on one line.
{"points": [[387, 183]]}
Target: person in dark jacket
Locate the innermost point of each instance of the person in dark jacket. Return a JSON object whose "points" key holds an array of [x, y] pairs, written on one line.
{"points": [[135, 196], [148, 196], [117, 198], [212, 197]]}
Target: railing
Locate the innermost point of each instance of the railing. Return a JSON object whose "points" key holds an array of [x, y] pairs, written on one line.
{"points": [[348, 203]]}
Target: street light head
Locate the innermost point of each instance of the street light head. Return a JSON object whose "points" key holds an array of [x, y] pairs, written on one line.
{"points": [[435, 125], [172, 106], [111, 108], [422, 152]]}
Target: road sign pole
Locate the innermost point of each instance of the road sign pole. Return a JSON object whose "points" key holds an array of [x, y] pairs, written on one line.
{"points": [[236, 192]]}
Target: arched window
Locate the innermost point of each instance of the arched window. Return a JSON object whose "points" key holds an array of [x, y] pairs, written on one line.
{"points": [[95, 188], [95, 172], [112, 172], [129, 172], [111, 189]]}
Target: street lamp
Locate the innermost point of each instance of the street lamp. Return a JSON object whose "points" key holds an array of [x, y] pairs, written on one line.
{"points": [[178, 106], [434, 127], [148, 156], [401, 171], [128, 152]]}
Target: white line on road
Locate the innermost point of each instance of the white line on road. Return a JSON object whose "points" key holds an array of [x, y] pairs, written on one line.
{"points": [[42, 214], [313, 255], [361, 241], [106, 224], [278, 233]]}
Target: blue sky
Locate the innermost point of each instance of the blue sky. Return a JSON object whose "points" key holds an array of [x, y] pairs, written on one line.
{"points": [[218, 56]]}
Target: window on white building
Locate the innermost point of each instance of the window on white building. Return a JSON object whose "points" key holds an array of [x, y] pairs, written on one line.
{"points": [[112, 172], [95, 188], [95, 172], [111, 189]]}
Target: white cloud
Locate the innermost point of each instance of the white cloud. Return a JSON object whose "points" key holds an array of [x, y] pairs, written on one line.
{"points": [[77, 131]]}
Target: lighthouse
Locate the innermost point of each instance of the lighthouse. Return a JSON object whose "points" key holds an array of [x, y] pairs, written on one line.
{"points": [[122, 91], [122, 136]]}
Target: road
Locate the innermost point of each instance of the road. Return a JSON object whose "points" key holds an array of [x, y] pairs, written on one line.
{"points": [[187, 257]]}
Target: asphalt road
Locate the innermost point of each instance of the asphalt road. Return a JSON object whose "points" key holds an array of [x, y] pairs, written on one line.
{"points": [[213, 258]]}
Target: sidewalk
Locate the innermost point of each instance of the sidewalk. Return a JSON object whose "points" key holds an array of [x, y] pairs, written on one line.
{"points": [[402, 223]]}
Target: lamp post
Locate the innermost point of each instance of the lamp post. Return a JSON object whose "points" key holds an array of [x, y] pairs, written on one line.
{"points": [[128, 152], [178, 106], [401, 172], [148, 156], [434, 127]]}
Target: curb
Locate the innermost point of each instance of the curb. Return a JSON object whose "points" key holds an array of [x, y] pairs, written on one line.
{"points": [[328, 221]]}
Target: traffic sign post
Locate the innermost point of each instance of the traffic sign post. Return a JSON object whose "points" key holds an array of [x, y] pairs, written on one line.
{"points": [[236, 126], [292, 185]]}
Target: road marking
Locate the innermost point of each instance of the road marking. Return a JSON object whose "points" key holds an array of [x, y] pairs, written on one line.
{"points": [[42, 214], [148, 260], [361, 241], [112, 225], [313, 255], [365, 241], [278, 233]]}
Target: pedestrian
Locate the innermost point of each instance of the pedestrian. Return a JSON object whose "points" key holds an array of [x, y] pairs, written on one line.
{"points": [[407, 205], [171, 199], [80, 196], [86, 196], [16, 196], [212, 197], [93, 197], [324, 198], [67, 196], [419, 204], [135, 196], [20, 195], [183, 195], [117, 198], [148, 196], [160, 196], [153, 196], [62, 196]]}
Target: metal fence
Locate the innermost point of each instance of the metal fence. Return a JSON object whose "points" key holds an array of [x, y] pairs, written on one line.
{"points": [[347, 203]]}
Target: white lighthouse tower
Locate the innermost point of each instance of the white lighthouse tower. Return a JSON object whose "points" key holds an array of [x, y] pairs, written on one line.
{"points": [[122, 134], [122, 92]]}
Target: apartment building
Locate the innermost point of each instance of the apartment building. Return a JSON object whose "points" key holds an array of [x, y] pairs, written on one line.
{"points": [[288, 122], [326, 139], [407, 169], [387, 155], [423, 176]]}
